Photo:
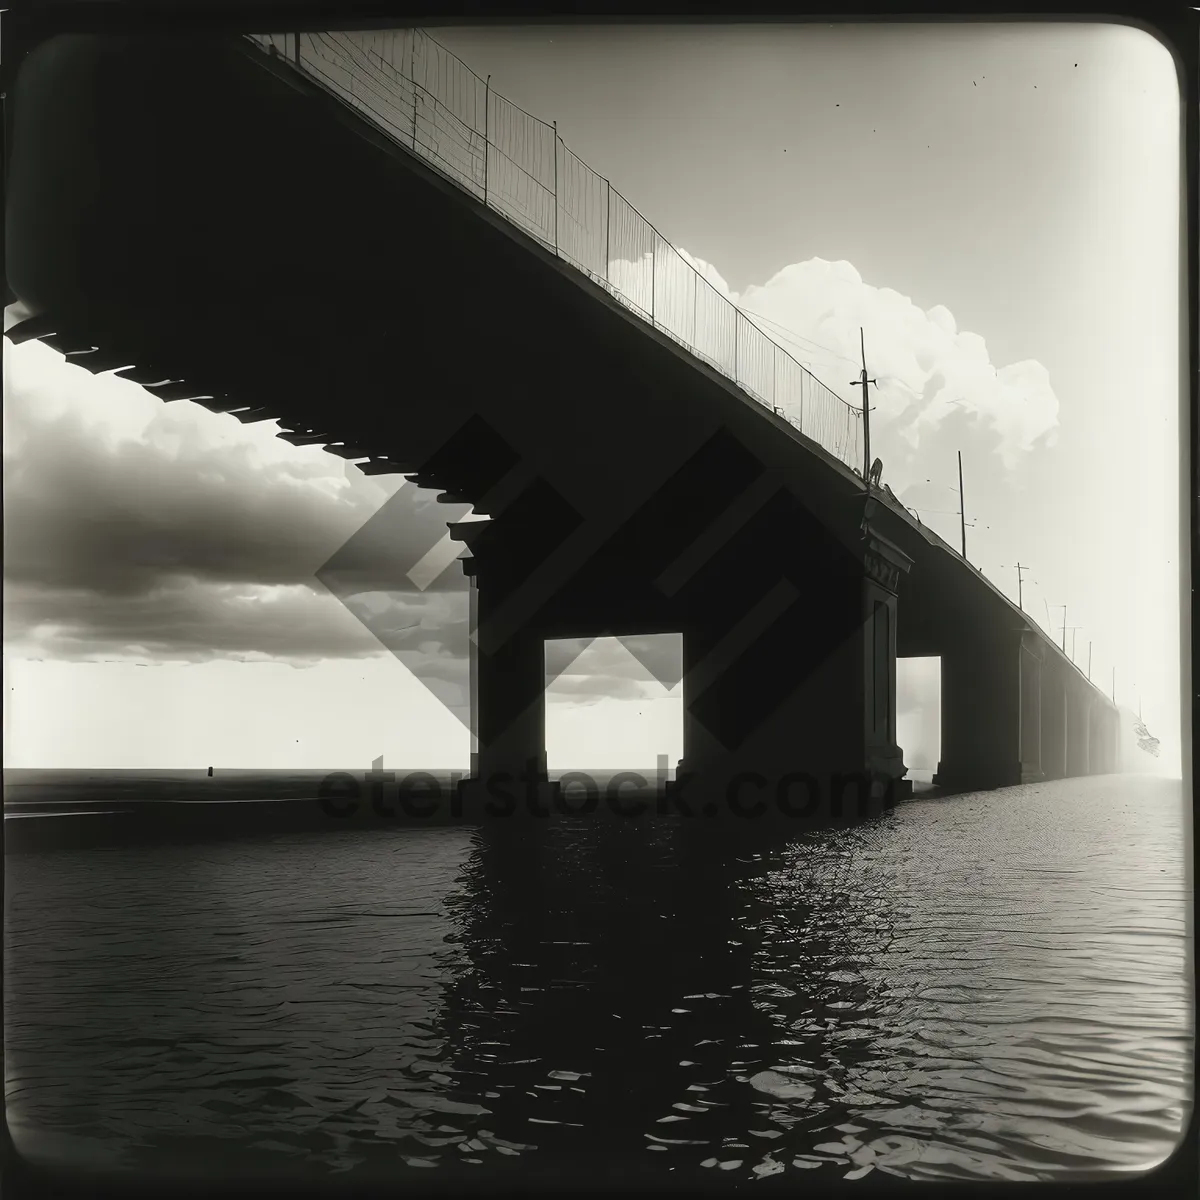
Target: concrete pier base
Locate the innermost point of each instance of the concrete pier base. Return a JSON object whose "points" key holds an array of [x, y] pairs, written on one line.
{"points": [[827, 742], [991, 718]]}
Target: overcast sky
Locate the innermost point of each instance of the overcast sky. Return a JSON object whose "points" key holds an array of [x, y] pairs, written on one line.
{"points": [[998, 207]]}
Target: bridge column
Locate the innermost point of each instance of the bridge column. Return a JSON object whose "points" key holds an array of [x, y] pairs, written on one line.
{"points": [[508, 691], [885, 565], [991, 719], [1032, 655], [1054, 724], [827, 657], [1102, 739], [1078, 722]]}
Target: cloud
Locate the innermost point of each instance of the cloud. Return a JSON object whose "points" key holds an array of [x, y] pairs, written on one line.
{"points": [[591, 689], [178, 620], [631, 667], [138, 527], [928, 370]]}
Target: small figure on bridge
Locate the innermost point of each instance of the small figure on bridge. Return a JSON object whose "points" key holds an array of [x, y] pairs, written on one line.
{"points": [[876, 472]]}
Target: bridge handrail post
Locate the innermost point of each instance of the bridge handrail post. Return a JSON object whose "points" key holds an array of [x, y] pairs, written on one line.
{"points": [[555, 128], [695, 302], [607, 227], [412, 75], [737, 315], [487, 99], [653, 272]]}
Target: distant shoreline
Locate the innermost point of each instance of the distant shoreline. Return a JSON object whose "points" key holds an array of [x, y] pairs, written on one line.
{"points": [[77, 809]]}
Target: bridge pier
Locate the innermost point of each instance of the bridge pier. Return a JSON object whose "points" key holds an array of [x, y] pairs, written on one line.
{"points": [[1104, 737], [1078, 730], [1112, 741], [885, 566], [1097, 741], [827, 731], [991, 712], [1054, 725], [508, 695]]}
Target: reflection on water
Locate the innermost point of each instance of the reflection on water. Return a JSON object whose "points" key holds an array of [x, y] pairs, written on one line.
{"points": [[982, 987]]}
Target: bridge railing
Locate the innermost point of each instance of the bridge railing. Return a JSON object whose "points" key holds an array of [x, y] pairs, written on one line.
{"points": [[429, 101]]}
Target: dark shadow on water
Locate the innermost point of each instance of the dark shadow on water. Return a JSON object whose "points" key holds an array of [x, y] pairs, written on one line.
{"points": [[613, 1010]]}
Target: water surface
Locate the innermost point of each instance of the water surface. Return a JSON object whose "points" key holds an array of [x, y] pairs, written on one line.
{"points": [[980, 987]]}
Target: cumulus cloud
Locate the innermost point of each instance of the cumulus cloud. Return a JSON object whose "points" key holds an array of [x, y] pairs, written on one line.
{"points": [[929, 371]]}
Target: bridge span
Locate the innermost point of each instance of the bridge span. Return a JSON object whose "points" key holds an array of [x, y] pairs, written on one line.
{"points": [[279, 252]]}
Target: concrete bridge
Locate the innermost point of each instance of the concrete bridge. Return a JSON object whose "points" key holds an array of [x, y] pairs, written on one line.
{"points": [[219, 225]]}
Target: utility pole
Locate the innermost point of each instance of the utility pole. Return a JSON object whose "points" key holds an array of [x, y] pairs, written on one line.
{"points": [[1020, 590], [1114, 686], [1073, 629], [1064, 625], [962, 508], [862, 382]]}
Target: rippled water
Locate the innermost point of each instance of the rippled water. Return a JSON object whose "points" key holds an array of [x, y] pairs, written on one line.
{"points": [[990, 986]]}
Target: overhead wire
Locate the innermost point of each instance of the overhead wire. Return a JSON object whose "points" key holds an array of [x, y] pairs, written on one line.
{"points": [[798, 336]]}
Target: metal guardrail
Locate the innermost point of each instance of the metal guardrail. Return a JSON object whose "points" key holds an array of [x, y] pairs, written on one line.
{"points": [[430, 102]]}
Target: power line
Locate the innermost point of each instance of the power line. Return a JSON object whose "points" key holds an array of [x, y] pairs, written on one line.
{"points": [[787, 329], [799, 336], [771, 339]]}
